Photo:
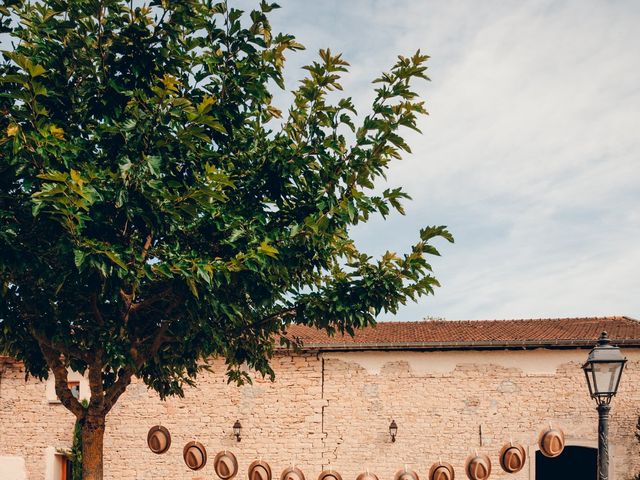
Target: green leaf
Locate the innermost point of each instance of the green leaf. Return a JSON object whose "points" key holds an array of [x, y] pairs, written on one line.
{"points": [[115, 259], [36, 70], [79, 257], [268, 249], [154, 163], [192, 286]]}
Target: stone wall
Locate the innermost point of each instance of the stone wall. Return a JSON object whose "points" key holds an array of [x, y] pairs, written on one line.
{"points": [[440, 400], [332, 410], [28, 425]]}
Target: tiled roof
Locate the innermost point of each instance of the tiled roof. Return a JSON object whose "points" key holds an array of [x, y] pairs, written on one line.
{"points": [[470, 334]]}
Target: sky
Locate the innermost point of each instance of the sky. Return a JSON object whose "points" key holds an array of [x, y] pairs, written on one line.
{"points": [[530, 154]]}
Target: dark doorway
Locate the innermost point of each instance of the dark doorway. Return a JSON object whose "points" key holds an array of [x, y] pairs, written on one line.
{"points": [[574, 463]]}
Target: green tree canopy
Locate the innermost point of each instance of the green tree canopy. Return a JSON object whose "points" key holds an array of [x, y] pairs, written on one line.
{"points": [[156, 209]]}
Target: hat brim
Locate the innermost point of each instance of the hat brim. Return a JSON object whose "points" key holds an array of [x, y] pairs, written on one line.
{"points": [[367, 476], [503, 457], [153, 432], [471, 467], [202, 454], [293, 473], [549, 433], [329, 475], [400, 474], [225, 470], [259, 464], [434, 469]]}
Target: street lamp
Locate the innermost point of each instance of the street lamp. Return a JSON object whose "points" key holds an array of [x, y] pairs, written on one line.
{"points": [[603, 370]]}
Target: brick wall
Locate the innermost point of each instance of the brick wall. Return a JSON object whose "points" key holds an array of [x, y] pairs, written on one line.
{"points": [[28, 423], [332, 410], [439, 405]]}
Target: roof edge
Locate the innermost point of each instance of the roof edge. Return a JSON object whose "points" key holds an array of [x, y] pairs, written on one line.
{"points": [[475, 345]]}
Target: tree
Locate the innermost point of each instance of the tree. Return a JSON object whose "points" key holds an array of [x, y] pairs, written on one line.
{"points": [[157, 210]]}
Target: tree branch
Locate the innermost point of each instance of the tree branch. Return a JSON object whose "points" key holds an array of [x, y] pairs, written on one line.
{"points": [[114, 391], [60, 374], [276, 316], [146, 247], [129, 298], [139, 359], [96, 403], [151, 300], [96, 311]]}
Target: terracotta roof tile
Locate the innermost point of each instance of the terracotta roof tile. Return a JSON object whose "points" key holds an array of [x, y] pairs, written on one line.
{"points": [[453, 334]]}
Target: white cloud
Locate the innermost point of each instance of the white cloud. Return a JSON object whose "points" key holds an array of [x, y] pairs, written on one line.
{"points": [[530, 153]]}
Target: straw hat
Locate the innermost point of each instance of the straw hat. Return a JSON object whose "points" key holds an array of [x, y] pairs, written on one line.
{"points": [[259, 470], [478, 467], [158, 439], [512, 457], [367, 476], [195, 455], [551, 442], [292, 473], [405, 474], [441, 471], [329, 475], [225, 465]]}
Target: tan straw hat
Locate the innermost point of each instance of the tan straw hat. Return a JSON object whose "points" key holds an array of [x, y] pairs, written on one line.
{"points": [[292, 473], [329, 475], [367, 476], [259, 470], [512, 457], [195, 455], [478, 467], [225, 465], [158, 439], [441, 471], [551, 442], [405, 474]]}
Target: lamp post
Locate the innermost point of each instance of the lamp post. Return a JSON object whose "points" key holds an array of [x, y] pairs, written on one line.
{"points": [[603, 370]]}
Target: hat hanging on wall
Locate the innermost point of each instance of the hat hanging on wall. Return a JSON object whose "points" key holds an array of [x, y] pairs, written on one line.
{"points": [[259, 470], [512, 457], [551, 442], [329, 475], [478, 467], [441, 471], [158, 439], [405, 474], [195, 455], [292, 473], [226, 465], [367, 476]]}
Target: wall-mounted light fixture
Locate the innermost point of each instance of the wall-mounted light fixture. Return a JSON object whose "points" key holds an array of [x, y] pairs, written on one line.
{"points": [[237, 428], [393, 430]]}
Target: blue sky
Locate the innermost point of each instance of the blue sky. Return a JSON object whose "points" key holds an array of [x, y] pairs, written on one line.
{"points": [[530, 153]]}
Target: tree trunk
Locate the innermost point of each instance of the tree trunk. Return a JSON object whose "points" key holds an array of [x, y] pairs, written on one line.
{"points": [[92, 443]]}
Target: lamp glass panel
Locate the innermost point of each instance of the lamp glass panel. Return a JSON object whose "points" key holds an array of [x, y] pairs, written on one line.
{"points": [[605, 377], [588, 371]]}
